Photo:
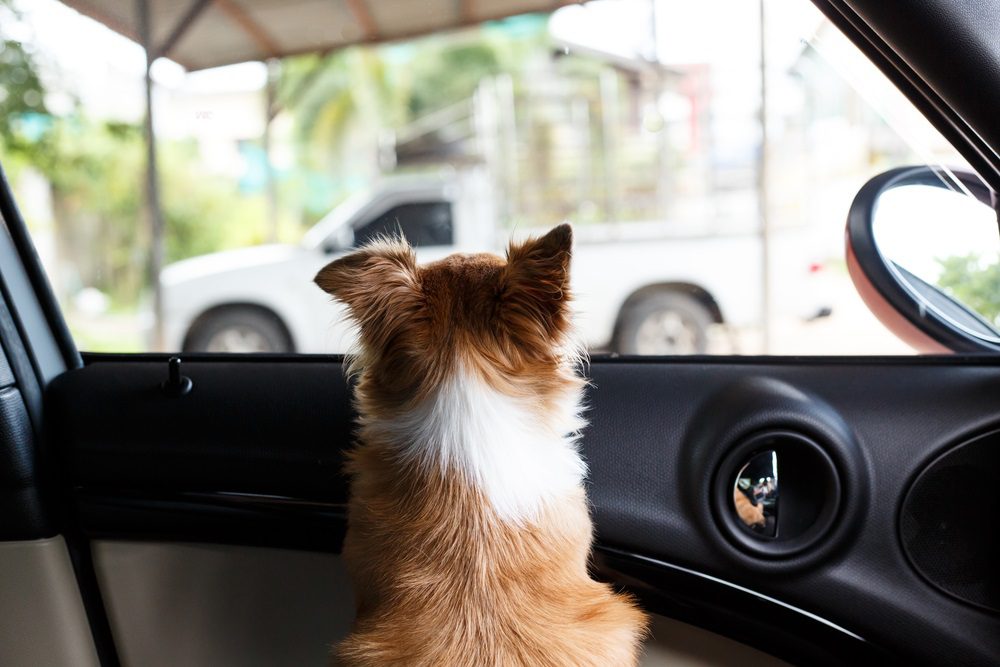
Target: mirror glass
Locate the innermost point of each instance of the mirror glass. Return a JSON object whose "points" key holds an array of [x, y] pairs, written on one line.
{"points": [[944, 247], [755, 493]]}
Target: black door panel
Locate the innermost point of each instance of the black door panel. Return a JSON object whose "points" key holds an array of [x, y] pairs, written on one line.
{"points": [[252, 455], [275, 429], [903, 413]]}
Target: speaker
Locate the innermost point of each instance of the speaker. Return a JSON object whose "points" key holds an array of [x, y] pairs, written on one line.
{"points": [[950, 522]]}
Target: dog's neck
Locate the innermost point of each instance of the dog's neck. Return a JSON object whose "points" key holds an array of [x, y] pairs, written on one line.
{"points": [[519, 456]]}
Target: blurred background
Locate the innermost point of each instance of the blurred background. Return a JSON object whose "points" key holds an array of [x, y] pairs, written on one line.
{"points": [[707, 154]]}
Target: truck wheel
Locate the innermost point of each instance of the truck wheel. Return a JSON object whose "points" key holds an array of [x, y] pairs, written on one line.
{"points": [[238, 330], [664, 323]]}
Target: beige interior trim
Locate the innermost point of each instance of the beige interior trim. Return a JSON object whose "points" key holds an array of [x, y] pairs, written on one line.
{"points": [[206, 605], [42, 619], [173, 604]]}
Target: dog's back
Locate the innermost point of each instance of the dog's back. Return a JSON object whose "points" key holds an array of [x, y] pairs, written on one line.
{"points": [[469, 531]]}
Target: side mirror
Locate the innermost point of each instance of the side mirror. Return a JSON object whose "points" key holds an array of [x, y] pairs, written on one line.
{"points": [[340, 240], [923, 251]]}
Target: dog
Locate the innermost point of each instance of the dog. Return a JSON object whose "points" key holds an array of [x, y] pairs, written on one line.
{"points": [[750, 514], [468, 527]]}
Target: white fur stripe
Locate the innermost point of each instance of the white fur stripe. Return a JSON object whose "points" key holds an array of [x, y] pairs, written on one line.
{"points": [[518, 457]]}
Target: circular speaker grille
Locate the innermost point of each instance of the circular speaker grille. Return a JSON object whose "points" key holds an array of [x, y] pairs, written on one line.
{"points": [[950, 522]]}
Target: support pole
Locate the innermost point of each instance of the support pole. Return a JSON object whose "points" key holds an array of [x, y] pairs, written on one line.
{"points": [[763, 193], [271, 184], [610, 123], [154, 214]]}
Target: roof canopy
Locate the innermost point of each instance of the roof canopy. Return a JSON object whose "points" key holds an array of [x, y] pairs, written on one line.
{"points": [[200, 34]]}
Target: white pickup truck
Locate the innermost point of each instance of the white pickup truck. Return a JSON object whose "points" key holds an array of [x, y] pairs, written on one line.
{"points": [[641, 288]]}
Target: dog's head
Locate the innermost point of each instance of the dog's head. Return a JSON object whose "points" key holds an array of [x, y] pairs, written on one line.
{"points": [[507, 320]]}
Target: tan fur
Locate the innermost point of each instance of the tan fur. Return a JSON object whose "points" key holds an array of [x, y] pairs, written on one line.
{"points": [[750, 514], [440, 578]]}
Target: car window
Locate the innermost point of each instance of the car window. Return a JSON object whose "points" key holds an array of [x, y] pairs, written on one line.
{"points": [[423, 224], [707, 166]]}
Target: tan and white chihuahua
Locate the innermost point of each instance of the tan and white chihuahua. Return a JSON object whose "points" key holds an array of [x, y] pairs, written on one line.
{"points": [[469, 532]]}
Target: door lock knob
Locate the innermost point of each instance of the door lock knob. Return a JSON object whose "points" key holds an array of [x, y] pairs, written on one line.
{"points": [[176, 385]]}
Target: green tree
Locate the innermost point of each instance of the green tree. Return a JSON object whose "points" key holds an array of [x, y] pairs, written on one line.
{"points": [[21, 93], [445, 73], [205, 212], [354, 95], [92, 172], [975, 281], [339, 102], [336, 94], [95, 178]]}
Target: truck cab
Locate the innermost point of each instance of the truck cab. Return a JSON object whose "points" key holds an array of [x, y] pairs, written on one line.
{"points": [[262, 299]]}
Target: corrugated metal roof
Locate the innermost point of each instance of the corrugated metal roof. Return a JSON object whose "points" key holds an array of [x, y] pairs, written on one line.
{"points": [[200, 34]]}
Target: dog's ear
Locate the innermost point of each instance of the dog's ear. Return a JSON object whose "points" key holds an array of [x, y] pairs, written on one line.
{"points": [[378, 283], [535, 291]]}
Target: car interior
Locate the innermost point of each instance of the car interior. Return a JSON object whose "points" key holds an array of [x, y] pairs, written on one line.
{"points": [[165, 509]]}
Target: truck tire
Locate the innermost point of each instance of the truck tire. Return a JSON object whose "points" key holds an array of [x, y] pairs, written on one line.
{"points": [[238, 329], [664, 323]]}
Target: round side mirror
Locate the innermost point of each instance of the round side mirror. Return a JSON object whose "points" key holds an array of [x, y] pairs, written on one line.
{"points": [[923, 250]]}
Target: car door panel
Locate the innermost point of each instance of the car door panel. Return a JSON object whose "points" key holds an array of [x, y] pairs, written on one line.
{"points": [[232, 463], [173, 603]]}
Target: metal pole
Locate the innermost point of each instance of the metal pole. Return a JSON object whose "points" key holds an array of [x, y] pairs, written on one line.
{"points": [[507, 103], [664, 172], [153, 211], [271, 183], [653, 47], [610, 119], [763, 193]]}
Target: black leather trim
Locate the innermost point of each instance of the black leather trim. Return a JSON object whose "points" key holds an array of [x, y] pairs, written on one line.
{"points": [[6, 373], [24, 515], [22, 371], [26, 511]]}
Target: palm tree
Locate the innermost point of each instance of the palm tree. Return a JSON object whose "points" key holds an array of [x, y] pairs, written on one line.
{"points": [[343, 103]]}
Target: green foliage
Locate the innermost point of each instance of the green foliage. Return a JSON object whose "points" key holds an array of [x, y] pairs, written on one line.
{"points": [[204, 212], [333, 95], [393, 85], [975, 281], [22, 101], [447, 73], [342, 102], [96, 173]]}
